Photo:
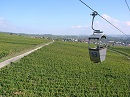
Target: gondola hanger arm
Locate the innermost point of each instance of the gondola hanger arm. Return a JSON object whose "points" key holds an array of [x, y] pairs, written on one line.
{"points": [[93, 14]]}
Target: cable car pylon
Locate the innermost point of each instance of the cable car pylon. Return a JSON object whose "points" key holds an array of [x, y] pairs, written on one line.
{"points": [[96, 44]]}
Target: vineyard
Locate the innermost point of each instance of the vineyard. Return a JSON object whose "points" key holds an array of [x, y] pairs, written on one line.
{"points": [[12, 44], [122, 50], [63, 69]]}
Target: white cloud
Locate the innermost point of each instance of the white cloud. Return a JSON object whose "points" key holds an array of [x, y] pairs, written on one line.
{"points": [[128, 23], [109, 29], [6, 26], [99, 24], [79, 26], [104, 26], [115, 22], [3, 22], [110, 18]]}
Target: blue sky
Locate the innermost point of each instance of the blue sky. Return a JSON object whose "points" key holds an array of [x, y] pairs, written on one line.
{"points": [[63, 17]]}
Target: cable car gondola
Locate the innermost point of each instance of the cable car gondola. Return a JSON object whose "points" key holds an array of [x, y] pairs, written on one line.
{"points": [[96, 44]]}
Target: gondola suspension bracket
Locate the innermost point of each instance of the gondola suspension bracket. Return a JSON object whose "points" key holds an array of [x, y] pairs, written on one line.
{"points": [[97, 47], [95, 14]]}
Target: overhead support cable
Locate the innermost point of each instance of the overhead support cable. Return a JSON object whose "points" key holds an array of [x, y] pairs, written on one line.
{"points": [[103, 17], [127, 5]]}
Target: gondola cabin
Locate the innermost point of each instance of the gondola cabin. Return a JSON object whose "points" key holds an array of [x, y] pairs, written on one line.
{"points": [[97, 47]]}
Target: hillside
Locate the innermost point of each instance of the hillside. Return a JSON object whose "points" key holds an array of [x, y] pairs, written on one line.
{"points": [[63, 69], [124, 50], [11, 44]]}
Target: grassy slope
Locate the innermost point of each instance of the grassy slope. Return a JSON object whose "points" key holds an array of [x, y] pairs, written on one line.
{"points": [[121, 50], [12, 44], [64, 70]]}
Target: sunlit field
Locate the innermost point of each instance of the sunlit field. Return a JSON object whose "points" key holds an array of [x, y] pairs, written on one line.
{"points": [[12, 44], [63, 69]]}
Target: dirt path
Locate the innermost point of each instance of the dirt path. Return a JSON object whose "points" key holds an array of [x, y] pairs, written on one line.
{"points": [[6, 62]]}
